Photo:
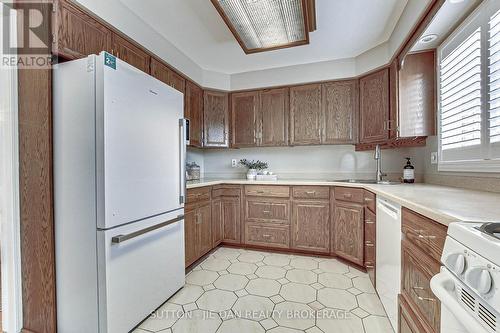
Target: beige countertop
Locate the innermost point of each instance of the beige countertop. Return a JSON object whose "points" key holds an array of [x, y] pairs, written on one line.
{"points": [[440, 203]]}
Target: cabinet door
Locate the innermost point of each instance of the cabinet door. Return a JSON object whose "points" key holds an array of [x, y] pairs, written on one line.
{"points": [[79, 35], [340, 112], [305, 114], [374, 107], [216, 222], [348, 231], [215, 119], [204, 229], [273, 117], [310, 226], [193, 110], [407, 320], [167, 75], [417, 87], [190, 219], [244, 107], [417, 270], [230, 212], [129, 52]]}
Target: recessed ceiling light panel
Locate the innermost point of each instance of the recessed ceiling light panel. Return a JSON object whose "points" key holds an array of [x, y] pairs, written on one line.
{"points": [[428, 38], [261, 25]]}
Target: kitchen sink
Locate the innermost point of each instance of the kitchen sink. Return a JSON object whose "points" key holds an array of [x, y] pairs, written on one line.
{"points": [[366, 181]]}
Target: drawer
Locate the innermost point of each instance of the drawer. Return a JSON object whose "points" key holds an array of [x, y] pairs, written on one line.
{"points": [[349, 194], [198, 194], [226, 191], [268, 191], [369, 199], [423, 232], [369, 253], [267, 210], [417, 270], [311, 192], [263, 235], [370, 226]]}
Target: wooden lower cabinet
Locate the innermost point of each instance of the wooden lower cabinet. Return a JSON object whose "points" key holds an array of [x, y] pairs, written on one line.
{"points": [[197, 231], [311, 225], [407, 321], [226, 214], [348, 231], [267, 235], [217, 227], [190, 217]]}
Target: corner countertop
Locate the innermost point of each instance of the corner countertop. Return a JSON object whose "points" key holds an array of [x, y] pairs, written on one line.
{"points": [[440, 203]]}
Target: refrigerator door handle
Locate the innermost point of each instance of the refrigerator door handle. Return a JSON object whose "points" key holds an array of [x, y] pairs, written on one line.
{"points": [[183, 125], [122, 238]]}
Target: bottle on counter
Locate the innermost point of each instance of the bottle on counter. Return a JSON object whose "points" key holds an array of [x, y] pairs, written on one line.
{"points": [[408, 172]]}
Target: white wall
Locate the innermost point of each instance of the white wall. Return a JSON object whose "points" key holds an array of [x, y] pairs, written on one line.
{"points": [[312, 162]]}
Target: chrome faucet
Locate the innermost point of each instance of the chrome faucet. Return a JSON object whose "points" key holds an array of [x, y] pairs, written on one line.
{"points": [[378, 158]]}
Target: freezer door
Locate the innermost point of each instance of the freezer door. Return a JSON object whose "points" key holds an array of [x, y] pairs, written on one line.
{"points": [[140, 266], [139, 145]]}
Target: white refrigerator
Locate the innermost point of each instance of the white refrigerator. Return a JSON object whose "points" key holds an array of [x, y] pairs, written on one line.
{"points": [[119, 186]]}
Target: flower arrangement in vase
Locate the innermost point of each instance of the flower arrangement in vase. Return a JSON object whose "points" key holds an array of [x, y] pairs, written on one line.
{"points": [[253, 167]]}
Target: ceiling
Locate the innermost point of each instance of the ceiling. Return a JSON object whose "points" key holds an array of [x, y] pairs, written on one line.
{"points": [[345, 29], [444, 22]]}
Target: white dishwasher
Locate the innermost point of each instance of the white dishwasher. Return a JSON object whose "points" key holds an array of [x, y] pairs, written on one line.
{"points": [[388, 256]]}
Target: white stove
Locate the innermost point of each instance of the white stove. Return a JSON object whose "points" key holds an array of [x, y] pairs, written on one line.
{"points": [[468, 285]]}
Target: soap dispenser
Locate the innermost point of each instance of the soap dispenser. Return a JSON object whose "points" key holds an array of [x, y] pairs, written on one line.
{"points": [[408, 172]]}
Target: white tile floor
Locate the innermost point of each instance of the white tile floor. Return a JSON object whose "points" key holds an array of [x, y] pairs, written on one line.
{"points": [[243, 291]]}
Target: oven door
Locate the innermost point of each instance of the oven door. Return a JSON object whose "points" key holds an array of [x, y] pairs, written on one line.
{"points": [[454, 316]]}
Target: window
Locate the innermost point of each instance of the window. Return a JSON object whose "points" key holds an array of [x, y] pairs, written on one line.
{"points": [[469, 93]]}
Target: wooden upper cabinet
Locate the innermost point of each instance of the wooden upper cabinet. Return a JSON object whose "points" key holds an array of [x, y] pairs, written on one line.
{"points": [[163, 73], [305, 114], [215, 119], [417, 95], [193, 110], [273, 117], [340, 112], [374, 106], [78, 34], [129, 52], [244, 109]]}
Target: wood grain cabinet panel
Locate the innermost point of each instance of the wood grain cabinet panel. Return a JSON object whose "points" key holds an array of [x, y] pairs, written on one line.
{"points": [[267, 210], [193, 110], [230, 213], [244, 110], [273, 117], [267, 236], [407, 321], [305, 114], [340, 112], [204, 229], [217, 226], [417, 270], [215, 119], [130, 53], [310, 226], [311, 192], [417, 95], [374, 107], [78, 34], [348, 231], [277, 191], [165, 74], [190, 219]]}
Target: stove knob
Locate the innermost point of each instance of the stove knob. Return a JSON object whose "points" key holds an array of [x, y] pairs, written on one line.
{"points": [[480, 279], [456, 263]]}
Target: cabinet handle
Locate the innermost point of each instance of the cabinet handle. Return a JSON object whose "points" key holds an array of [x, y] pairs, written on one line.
{"points": [[426, 236], [261, 192], [347, 195], [368, 199], [198, 218], [370, 244], [266, 212], [427, 299], [266, 235], [310, 192], [369, 266], [369, 222]]}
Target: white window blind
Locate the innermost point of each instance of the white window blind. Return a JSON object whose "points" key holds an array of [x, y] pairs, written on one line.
{"points": [[469, 93]]}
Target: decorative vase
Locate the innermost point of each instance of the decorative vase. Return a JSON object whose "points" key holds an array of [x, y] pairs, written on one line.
{"points": [[251, 174]]}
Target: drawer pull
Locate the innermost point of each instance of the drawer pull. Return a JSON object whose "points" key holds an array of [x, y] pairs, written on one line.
{"points": [[369, 266], [370, 244], [311, 192], [266, 235], [261, 192], [368, 199], [369, 222], [426, 236], [426, 299], [266, 212], [347, 195]]}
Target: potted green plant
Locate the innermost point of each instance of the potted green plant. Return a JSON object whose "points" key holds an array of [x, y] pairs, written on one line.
{"points": [[253, 167]]}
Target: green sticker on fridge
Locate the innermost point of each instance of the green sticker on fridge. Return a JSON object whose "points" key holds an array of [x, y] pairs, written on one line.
{"points": [[109, 60]]}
